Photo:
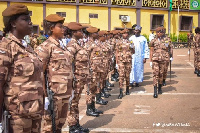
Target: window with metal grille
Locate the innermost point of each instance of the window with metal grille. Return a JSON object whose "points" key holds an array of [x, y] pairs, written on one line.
{"points": [[156, 21], [185, 23], [62, 14], [91, 15]]}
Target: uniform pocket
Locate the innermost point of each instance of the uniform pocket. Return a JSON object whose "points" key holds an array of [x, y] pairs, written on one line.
{"points": [[23, 69], [82, 56], [29, 102]]}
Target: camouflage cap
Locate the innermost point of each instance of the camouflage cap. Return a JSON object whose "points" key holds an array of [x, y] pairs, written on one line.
{"points": [[101, 33], [125, 30], [65, 24], [14, 10], [54, 18], [75, 26], [92, 29], [162, 29], [115, 32]]}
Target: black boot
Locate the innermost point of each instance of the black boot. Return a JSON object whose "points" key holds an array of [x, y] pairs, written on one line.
{"points": [[159, 89], [99, 100], [104, 94], [90, 111], [84, 130], [108, 84], [114, 77], [164, 83], [137, 85], [120, 94], [95, 110], [195, 71], [155, 95], [127, 90], [78, 129], [198, 74]]}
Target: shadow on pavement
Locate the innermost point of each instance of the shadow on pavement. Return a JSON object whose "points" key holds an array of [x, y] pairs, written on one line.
{"points": [[100, 121]]}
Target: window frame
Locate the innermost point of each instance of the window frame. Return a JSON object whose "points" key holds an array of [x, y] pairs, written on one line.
{"points": [[151, 20], [62, 14], [180, 21], [93, 15]]}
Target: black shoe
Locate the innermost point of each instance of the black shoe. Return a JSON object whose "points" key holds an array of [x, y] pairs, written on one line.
{"points": [[106, 89], [84, 130], [159, 89], [114, 79], [103, 94], [90, 111], [198, 74], [164, 83], [78, 129], [127, 90], [195, 71], [108, 84], [137, 85], [155, 95], [99, 100], [95, 110], [120, 94], [131, 85]]}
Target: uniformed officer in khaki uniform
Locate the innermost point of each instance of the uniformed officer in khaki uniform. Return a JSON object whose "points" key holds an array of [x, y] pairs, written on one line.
{"points": [[169, 51], [21, 75], [158, 57], [95, 65], [81, 75], [124, 51], [57, 65], [197, 50]]}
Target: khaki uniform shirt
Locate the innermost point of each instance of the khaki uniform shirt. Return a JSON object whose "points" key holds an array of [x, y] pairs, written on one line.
{"points": [[81, 61], [59, 66], [21, 71], [124, 50], [161, 48]]}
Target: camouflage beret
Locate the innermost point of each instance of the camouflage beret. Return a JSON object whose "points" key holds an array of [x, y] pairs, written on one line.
{"points": [[105, 32], [14, 10], [101, 33], [125, 30], [115, 32], [54, 18], [92, 29], [160, 29], [75, 26], [65, 24]]}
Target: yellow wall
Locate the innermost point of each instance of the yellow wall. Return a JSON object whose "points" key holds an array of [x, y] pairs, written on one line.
{"points": [[145, 20], [116, 22], [37, 12], [174, 20], [70, 11], [3, 6], [100, 22]]}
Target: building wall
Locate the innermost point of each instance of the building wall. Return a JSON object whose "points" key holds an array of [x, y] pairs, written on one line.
{"points": [[145, 19], [116, 22], [37, 12], [100, 22], [174, 20], [3, 6], [70, 11]]}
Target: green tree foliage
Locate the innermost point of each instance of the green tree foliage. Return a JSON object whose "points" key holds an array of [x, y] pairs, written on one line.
{"points": [[182, 37], [146, 36]]}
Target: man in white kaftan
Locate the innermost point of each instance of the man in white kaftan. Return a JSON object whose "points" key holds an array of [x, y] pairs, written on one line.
{"points": [[140, 56]]}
